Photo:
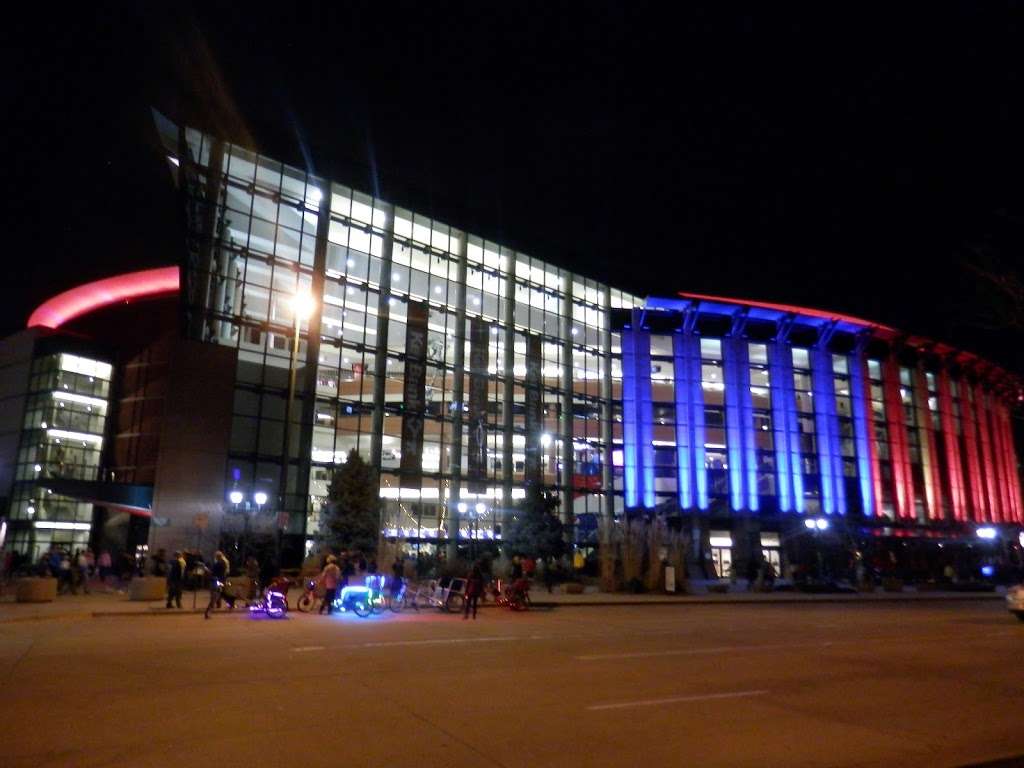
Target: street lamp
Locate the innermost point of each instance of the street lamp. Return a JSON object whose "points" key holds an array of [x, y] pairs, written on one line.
{"points": [[235, 497], [260, 498], [303, 305]]}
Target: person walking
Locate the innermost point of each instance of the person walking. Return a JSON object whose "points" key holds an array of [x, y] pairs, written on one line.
{"points": [[474, 588], [175, 579], [64, 577], [82, 564], [330, 577], [218, 577], [104, 563]]}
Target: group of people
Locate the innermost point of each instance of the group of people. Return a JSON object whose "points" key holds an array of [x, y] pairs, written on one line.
{"points": [[73, 569]]}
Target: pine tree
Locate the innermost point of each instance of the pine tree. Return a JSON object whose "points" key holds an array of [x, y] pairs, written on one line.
{"points": [[353, 507], [534, 528]]}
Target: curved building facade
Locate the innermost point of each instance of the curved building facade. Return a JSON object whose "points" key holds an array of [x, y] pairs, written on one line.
{"points": [[463, 370]]}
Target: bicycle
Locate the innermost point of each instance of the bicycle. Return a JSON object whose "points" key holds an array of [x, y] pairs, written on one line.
{"points": [[311, 598]]}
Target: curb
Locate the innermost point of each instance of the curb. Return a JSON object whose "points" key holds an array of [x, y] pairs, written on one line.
{"points": [[852, 600]]}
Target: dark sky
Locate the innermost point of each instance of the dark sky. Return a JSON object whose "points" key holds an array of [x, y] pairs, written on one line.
{"points": [[839, 157]]}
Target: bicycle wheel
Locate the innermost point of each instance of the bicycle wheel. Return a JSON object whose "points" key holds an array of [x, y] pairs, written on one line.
{"points": [[377, 606], [306, 602], [360, 608], [396, 603], [455, 604]]}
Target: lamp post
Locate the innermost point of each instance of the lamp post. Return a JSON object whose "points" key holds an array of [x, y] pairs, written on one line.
{"points": [[302, 305], [236, 497]]}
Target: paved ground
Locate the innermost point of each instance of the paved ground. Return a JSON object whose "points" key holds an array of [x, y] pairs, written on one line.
{"points": [[929, 684]]}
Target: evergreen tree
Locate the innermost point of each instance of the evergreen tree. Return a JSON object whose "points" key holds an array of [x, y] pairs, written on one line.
{"points": [[535, 528], [353, 506]]}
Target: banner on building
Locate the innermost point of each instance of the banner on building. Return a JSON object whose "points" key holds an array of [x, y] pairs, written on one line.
{"points": [[414, 395], [534, 408], [479, 339]]}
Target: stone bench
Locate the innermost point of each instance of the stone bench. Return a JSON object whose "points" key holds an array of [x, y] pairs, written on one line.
{"points": [[36, 590], [148, 588]]}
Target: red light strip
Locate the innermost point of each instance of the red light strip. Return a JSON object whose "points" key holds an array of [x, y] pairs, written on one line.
{"points": [[929, 453], [790, 309], [970, 425], [901, 473], [986, 455], [952, 446], [87, 298], [1011, 459], [1002, 466]]}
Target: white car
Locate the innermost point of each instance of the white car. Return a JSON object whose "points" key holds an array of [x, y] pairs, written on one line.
{"points": [[1015, 601]]}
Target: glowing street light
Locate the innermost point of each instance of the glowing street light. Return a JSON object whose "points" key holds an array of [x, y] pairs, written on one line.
{"points": [[260, 498], [236, 497], [302, 304]]}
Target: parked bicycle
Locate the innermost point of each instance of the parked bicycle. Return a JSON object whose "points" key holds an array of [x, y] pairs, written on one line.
{"points": [[515, 596], [447, 596]]}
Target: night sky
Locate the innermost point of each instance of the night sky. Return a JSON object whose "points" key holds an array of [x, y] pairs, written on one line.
{"points": [[851, 159]]}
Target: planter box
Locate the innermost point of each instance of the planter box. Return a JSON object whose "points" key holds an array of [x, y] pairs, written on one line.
{"points": [[31, 590], [572, 588], [148, 588], [718, 589]]}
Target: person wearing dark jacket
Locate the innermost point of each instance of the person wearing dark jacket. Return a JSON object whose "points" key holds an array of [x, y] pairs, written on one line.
{"points": [[218, 577], [474, 588], [175, 579]]}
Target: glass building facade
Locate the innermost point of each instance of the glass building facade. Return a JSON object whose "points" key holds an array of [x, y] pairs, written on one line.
{"points": [[463, 370], [62, 435]]}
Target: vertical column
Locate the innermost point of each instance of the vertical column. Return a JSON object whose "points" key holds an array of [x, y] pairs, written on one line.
{"points": [[902, 478], [926, 439], [747, 420], [211, 201], [823, 385], [638, 463], [568, 455], [607, 480], [739, 431], [308, 393], [693, 357], [1003, 492], [458, 400], [380, 363], [508, 384], [868, 475], [987, 458], [951, 443], [778, 372], [1011, 463], [684, 427], [968, 417]]}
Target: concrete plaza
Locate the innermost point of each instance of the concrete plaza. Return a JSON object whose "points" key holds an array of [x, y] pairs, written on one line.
{"points": [[929, 683]]}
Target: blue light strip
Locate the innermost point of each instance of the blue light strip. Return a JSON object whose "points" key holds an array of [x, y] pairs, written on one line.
{"points": [[645, 418], [684, 427], [629, 417], [692, 344], [796, 462], [747, 421], [780, 423], [861, 430], [821, 373], [637, 415], [733, 421]]}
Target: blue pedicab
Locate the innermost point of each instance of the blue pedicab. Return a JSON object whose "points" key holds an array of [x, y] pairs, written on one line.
{"points": [[362, 599]]}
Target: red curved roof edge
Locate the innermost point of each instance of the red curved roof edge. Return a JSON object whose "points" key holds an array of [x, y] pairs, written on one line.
{"points": [[961, 356], [83, 299], [789, 308]]}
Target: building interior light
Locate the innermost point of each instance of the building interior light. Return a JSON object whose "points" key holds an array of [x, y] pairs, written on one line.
{"points": [[986, 532]]}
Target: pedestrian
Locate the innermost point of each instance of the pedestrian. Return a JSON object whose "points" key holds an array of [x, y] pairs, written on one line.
{"points": [[330, 577], [64, 575], [474, 588], [104, 563], [175, 579], [218, 578], [82, 563], [516, 570]]}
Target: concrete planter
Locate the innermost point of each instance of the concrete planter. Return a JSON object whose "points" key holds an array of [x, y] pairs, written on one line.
{"points": [[148, 588], [572, 588], [42, 590]]}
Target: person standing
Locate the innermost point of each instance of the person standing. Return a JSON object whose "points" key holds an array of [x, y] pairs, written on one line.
{"points": [[474, 588], [64, 578], [329, 579], [218, 576], [252, 570], [175, 579], [82, 563]]}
